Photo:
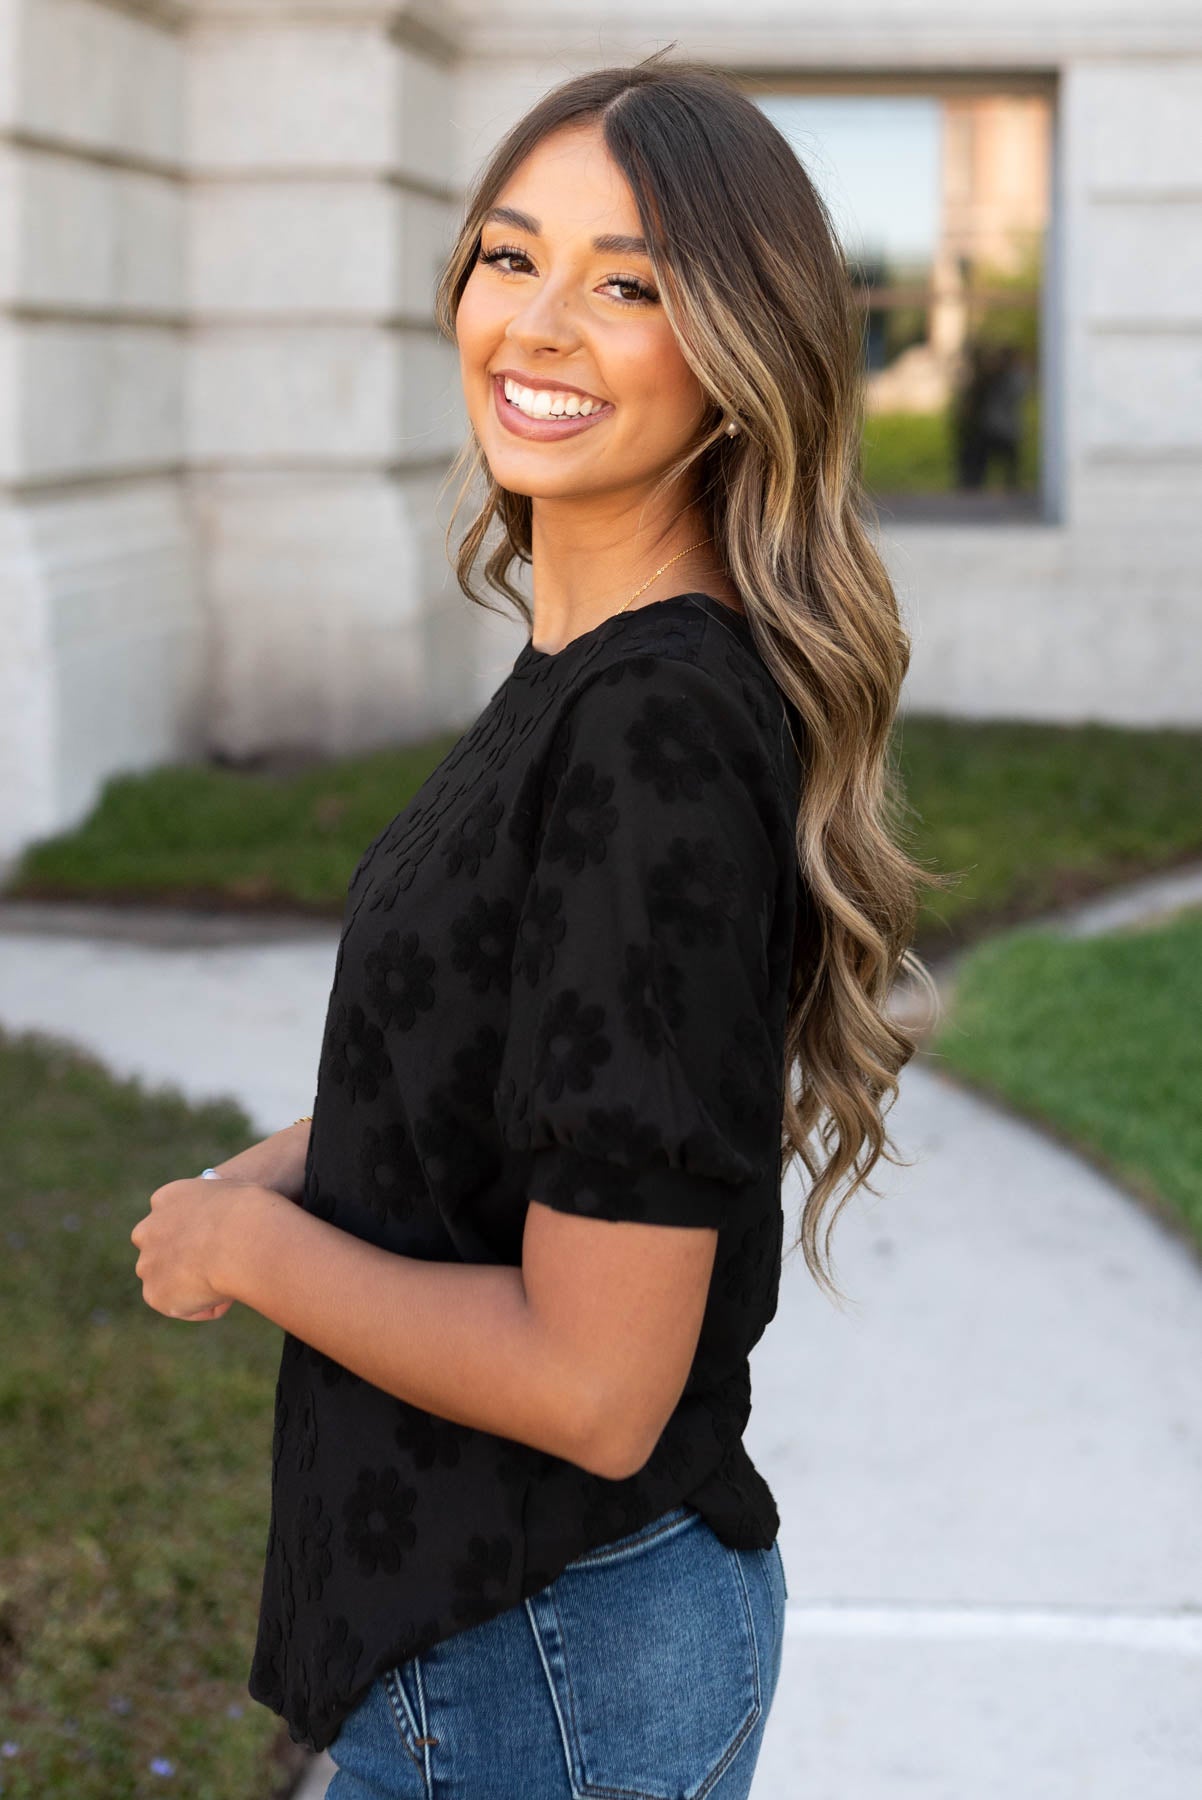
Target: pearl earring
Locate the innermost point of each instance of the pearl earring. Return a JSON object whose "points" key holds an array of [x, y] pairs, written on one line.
{"points": [[732, 429]]}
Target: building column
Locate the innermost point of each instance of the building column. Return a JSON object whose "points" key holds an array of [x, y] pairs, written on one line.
{"points": [[322, 406], [102, 638]]}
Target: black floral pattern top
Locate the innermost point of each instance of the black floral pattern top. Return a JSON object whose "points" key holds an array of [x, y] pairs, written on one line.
{"points": [[562, 975]]}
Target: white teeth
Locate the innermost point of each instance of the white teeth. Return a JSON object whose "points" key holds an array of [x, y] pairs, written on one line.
{"points": [[543, 403]]}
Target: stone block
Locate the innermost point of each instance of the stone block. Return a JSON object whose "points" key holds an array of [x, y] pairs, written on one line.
{"points": [[1142, 393], [424, 107], [337, 621], [319, 394], [303, 393], [1041, 622], [292, 96], [88, 399], [89, 236], [102, 648], [1140, 124], [294, 248], [98, 77], [1143, 263]]}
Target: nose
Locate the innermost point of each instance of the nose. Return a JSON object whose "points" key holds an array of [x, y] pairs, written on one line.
{"points": [[546, 320]]}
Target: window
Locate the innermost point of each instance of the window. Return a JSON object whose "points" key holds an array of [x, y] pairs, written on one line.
{"points": [[941, 201]]}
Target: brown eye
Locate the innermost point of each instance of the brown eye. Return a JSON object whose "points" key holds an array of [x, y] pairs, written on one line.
{"points": [[642, 293], [502, 253]]}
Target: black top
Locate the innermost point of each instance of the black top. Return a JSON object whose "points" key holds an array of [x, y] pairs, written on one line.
{"points": [[562, 975]]}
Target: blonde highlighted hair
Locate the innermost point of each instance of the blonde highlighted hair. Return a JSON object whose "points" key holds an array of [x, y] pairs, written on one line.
{"points": [[756, 288]]}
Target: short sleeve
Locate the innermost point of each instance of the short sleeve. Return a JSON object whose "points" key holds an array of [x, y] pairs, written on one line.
{"points": [[643, 1062]]}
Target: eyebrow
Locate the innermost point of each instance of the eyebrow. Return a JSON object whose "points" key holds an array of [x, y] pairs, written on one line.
{"points": [[611, 243]]}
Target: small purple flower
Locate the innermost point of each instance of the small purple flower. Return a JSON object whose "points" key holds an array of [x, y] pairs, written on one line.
{"points": [[8, 1748], [234, 1710], [70, 1221], [119, 1704], [160, 1766]]}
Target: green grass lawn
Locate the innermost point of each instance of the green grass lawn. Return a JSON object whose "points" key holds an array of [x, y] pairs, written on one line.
{"points": [[1100, 1039], [1036, 815], [216, 834], [1032, 814], [135, 1455]]}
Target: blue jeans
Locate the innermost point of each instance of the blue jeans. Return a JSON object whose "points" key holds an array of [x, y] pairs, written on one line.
{"points": [[645, 1670]]}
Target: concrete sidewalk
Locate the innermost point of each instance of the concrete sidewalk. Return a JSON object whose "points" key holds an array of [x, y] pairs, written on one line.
{"points": [[989, 1467]]}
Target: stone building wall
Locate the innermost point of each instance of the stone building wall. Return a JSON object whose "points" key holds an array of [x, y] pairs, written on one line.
{"points": [[225, 415]]}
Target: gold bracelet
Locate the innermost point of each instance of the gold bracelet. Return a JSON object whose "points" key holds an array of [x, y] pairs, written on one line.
{"points": [[307, 1119]]}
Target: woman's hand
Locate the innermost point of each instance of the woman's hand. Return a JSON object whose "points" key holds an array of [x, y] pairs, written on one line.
{"points": [[179, 1242]]}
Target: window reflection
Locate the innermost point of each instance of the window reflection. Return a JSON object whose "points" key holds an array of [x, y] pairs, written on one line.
{"points": [[941, 202]]}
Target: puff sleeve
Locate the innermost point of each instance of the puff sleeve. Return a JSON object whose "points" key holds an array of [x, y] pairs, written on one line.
{"points": [[642, 1067]]}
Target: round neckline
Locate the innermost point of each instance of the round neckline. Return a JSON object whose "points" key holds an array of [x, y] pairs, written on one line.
{"points": [[529, 652]]}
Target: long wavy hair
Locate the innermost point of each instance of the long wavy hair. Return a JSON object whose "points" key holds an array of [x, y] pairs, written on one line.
{"points": [[756, 287]]}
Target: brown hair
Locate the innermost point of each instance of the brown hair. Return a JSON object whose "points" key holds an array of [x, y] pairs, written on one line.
{"points": [[756, 288]]}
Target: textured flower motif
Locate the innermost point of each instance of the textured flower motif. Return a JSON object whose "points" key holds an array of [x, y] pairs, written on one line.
{"points": [[483, 943], [338, 1655], [671, 1460], [428, 1440], [413, 1637], [583, 818], [287, 1595], [456, 1159], [376, 1517], [279, 1428], [486, 1566], [672, 748], [694, 891], [541, 929], [604, 1191], [750, 1083], [518, 1464], [266, 1670], [743, 1271], [621, 1135], [331, 1374], [300, 1698], [475, 837], [313, 1558], [570, 1044], [637, 667], [319, 1200], [476, 1067], [356, 1055], [398, 870], [611, 1508], [651, 990], [398, 977], [391, 1182]]}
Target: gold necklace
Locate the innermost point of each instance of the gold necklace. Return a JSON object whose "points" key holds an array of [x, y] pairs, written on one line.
{"points": [[659, 571]]}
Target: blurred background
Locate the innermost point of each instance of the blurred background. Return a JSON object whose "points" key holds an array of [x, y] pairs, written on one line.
{"points": [[231, 649]]}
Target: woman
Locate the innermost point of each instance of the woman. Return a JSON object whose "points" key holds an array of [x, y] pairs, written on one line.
{"points": [[516, 1544]]}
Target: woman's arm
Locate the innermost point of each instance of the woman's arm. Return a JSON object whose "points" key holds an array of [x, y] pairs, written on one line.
{"points": [[582, 1351], [277, 1161]]}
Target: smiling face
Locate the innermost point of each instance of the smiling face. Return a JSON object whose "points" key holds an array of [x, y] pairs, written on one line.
{"points": [[573, 378]]}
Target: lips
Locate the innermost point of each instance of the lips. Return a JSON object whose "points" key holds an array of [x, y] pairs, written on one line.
{"points": [[522, 425]]}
